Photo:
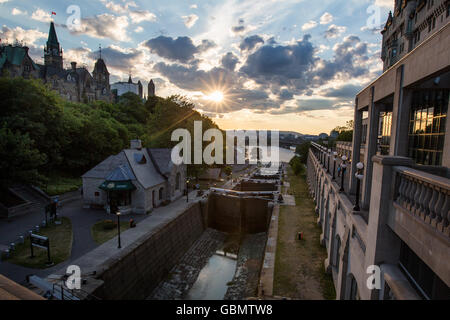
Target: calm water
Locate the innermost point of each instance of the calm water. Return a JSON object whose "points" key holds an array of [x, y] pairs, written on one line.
{"points": [[211, 283]]}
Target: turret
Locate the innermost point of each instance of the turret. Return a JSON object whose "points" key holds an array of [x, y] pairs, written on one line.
{"points": [[52, 52]]}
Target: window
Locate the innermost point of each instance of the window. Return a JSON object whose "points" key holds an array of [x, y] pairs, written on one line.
{"points": [[161, 190], [384, 132], [426, 282], [427, 126], [353, 295], [337, 245], [97, 194]]}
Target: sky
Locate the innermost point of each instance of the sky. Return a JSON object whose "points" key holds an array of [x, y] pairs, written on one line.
{"points": [[292, 65]]}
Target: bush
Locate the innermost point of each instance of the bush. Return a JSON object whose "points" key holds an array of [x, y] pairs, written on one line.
{"points": [[297, 166]]}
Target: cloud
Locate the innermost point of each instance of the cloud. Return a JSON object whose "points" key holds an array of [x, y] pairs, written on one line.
{"points": [[347, 91], [118, 58], [139, 29], [250, 43], [281, 65], [326, 18], [104, 26], [181, 49], [28, 36], [41, 15], [193, 6], [334, 31], [137, 16], [229, 61], [16, 12], [384, 3], [239, 28], [118, 8], [3, 1], [190, 20], [309, 25]]}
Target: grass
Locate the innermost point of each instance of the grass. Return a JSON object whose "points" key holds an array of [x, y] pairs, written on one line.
{"points": [[101, 235], [299, 269], [59, 184], [60, 237]]}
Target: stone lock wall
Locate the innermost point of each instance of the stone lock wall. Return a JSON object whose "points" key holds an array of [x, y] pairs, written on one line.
{"points": [[139, 270]]}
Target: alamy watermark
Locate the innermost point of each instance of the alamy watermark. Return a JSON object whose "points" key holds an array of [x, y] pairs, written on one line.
{"points": [[241, 146]]}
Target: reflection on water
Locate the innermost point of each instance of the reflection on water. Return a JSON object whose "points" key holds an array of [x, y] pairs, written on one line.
{"points": [[211, 283]]}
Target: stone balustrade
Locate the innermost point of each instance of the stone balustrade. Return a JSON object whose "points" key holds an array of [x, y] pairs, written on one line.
{"points": [[424, 195]]}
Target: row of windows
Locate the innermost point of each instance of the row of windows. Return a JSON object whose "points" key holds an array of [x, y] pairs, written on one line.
{"points": [[384, 134], [428, 117]]}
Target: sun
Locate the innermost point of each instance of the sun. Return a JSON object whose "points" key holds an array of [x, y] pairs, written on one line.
{"points": [[216, 96]]}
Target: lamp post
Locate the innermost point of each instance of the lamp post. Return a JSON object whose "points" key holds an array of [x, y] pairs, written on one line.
{"points": [[329, 155], [118, 229], [334, 165], [359, 176], [343, 167], [187, 190]]}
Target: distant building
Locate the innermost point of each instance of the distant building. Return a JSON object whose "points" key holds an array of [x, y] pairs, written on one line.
{"points": [[121, 88], [136, 180]]}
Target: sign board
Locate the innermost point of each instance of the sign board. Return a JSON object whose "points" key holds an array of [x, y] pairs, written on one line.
{"points": [[40, 242]]}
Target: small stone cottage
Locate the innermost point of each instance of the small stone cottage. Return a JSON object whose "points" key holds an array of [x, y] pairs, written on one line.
{"points": [[136, 180]]}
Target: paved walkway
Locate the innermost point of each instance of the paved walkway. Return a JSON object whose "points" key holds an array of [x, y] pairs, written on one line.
{"points": [[82, 221]]}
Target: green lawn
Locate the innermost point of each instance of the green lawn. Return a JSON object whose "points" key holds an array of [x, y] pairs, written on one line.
{"points": [[101, 233], [60, 184], [299, 270], [60, 237]]}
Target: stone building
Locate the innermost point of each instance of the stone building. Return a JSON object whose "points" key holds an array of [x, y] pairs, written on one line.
{"points": [[151, 89], [74, 84], [412, 23], [392, 210], [135, 180], [15, 61]]}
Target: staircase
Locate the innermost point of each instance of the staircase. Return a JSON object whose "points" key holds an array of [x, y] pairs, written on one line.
{"points": [[31, 195]]}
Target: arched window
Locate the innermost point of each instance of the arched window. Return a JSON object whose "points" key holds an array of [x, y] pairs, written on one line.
{"points": [[178, 181], [161, 190]]}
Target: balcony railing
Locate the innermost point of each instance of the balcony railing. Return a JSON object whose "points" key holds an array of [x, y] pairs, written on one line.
{"points": [[424, 195]]}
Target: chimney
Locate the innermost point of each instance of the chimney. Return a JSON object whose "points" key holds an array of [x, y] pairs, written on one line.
{"points": [[74, 65], [136, 144]]}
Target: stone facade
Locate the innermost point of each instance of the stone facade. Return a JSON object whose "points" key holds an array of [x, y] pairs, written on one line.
{"points": [[394, 212]]}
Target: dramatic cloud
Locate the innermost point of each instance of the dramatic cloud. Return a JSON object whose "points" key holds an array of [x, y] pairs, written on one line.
{"points": [[190, 20], [136, 16], [239, 28], [347, 91], [104, 26], [180, 49], [250, 42], [41, 15], [119, 59], [28, 37], [309, 25], [229, 61], [334, 31], [326, 18], [281, 65], [346, 56]]}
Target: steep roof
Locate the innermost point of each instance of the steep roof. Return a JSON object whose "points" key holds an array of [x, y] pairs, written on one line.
{"points": [[100, 66], [121, 173], [104, 168], [146, 173], [162, 160], [14, 55], [52, 37]]}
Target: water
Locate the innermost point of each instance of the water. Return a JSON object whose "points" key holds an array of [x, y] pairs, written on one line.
{"points": [[286, 155], [211, 283]]}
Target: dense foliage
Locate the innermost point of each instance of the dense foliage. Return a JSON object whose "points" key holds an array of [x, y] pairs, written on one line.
{"points": [[42, 135], [297, 165]]}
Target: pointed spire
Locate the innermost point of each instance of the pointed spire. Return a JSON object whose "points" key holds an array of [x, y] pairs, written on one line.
{"points": [[100, 51], [129, 79], [52, 38]]}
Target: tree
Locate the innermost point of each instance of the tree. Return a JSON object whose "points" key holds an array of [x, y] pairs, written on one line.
{"points": [[302, 150]]}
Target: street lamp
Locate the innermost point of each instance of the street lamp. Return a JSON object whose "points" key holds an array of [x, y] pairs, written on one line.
{"points": [[329, 155], [343, 166], [187, 190], [359, 176], [334, 164], [118, 228]]}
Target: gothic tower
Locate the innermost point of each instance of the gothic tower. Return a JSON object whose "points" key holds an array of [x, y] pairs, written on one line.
{"points": [[52, 52], [151, 89], [101, 76], [141, 91]]}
